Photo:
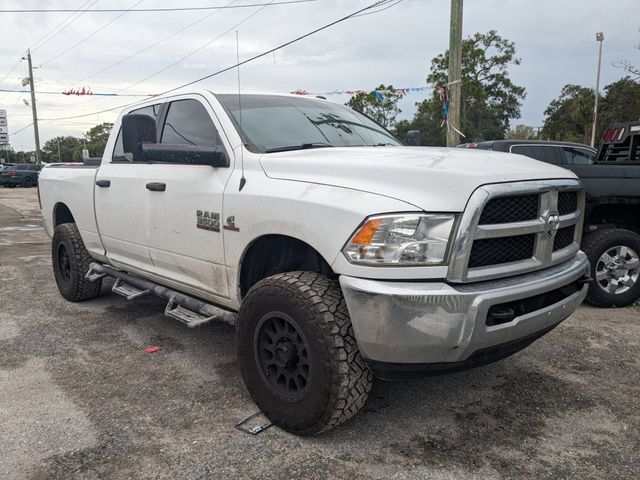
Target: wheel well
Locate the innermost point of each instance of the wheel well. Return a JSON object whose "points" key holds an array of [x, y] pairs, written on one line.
{"points": [[62, 214], [619, 215], [273, 254]]}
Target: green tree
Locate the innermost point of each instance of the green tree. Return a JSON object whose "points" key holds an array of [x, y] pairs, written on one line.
{"points": [[97, 138], [69, 148], [522, 132], [569, 117], [428, 120], [621, 103], [489, 99], [381, 104]]}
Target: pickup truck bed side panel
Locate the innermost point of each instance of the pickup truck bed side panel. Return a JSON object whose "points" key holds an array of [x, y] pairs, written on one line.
{"points": [[58, 186]]}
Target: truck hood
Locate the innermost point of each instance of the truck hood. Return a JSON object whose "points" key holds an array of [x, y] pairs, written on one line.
{"points": [[430, 178]]}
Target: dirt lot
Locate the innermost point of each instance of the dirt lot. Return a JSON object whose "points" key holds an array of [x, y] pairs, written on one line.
{"points": [[80, 399]]}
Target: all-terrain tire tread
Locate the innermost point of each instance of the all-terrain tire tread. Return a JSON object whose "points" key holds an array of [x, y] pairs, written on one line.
{"points": [[83, 289], [351, 379]]}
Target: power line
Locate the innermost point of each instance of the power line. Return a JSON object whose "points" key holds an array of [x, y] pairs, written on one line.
{"points": [[193, 52], [149, 47], [90, 35], [238, 64], [74, 94], [6, 75], [380, 9], [169, 9], [50, 35], [23, 128]]}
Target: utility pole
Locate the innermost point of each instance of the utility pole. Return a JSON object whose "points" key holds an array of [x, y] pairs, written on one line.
{"points": [[599, 38], [455, 72], [33, 108]]}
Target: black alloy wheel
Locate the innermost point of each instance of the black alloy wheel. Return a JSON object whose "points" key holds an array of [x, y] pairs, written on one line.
{"points": [[283, 355]]}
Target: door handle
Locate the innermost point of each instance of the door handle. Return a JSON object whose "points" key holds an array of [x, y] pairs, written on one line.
{"points": [[103, 183], [156, 186]]}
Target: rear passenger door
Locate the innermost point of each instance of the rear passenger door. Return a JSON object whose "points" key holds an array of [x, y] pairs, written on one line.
{"points": [[120, 204]]}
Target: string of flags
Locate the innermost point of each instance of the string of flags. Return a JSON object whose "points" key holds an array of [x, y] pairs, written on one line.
{"points": [[376, 93], [78, 92]]}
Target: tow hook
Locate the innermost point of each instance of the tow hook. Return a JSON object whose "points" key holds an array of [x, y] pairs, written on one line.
{"points": [[584, 280]]}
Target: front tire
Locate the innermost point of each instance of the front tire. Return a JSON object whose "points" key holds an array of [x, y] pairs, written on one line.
{"points": [[298, 354], [615, 267], [70, 264]]}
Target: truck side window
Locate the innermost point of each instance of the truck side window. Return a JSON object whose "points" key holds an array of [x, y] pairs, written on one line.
{"points": [[578, 156], [544, 153], [189, 123], [118, 150]]}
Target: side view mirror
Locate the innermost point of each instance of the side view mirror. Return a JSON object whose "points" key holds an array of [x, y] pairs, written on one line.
{"points": [[184, 154], [138, 130], [413, 138], [140, 140]]}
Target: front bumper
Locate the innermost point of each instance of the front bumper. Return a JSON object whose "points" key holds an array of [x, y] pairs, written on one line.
{"points": [[427, 323]]}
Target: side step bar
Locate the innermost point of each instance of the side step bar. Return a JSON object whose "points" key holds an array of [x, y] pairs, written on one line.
{"points": [[188, 310]]}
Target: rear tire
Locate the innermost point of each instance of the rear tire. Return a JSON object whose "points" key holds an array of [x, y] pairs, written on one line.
{"points": [[70, 264], [27, 182], [298, 354], [615, 267]]}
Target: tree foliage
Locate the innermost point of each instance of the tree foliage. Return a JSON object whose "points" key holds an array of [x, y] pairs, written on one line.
{"points": [[489, 99], [570, 116], [97, 138], [69, 148], [380, 105], [62, 149], [522, 132]]}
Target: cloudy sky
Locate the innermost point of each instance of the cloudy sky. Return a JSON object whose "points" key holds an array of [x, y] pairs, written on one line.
{"points": [[111, 52]]}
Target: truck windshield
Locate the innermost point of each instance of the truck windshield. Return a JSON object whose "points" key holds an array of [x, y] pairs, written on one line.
{"points": [[272, 123]]}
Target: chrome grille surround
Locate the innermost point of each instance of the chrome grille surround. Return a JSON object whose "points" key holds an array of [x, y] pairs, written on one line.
{"points": [[543, 256]]}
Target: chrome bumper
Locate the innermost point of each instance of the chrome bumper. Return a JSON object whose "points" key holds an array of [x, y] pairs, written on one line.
{"points": [[436, 322]]}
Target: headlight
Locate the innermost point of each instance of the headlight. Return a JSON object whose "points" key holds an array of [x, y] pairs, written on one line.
{"points": [[410, 239]]}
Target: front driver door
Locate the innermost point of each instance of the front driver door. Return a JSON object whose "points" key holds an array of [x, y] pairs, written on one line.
{"points": [[183, 213]]}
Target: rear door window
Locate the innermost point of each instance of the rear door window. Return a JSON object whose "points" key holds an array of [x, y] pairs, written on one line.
{"points": [[544, 153], [578, 156]]}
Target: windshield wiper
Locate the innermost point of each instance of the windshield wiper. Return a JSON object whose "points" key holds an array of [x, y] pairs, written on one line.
{"points": [[303, 146]]}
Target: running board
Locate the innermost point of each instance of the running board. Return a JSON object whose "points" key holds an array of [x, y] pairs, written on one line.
{"points": [[128, 291], [184, 308]]}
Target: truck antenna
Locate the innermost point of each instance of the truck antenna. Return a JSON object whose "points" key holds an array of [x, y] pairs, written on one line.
{"points": [[243, 180]]}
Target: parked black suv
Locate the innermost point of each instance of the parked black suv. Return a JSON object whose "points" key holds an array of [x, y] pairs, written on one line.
{"points": [[25, 174], [611, 177]]}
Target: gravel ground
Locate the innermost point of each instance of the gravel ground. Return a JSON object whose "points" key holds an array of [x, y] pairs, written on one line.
{"points": [[80, 399]]}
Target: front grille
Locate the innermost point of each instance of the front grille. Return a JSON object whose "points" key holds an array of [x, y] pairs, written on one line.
{"points": [[567, 202], [564, 237], [501, 250], [514, 228], [510, 209]]}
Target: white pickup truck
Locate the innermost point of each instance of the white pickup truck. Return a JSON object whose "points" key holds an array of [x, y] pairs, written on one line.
{"points": [[338, 253]]}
